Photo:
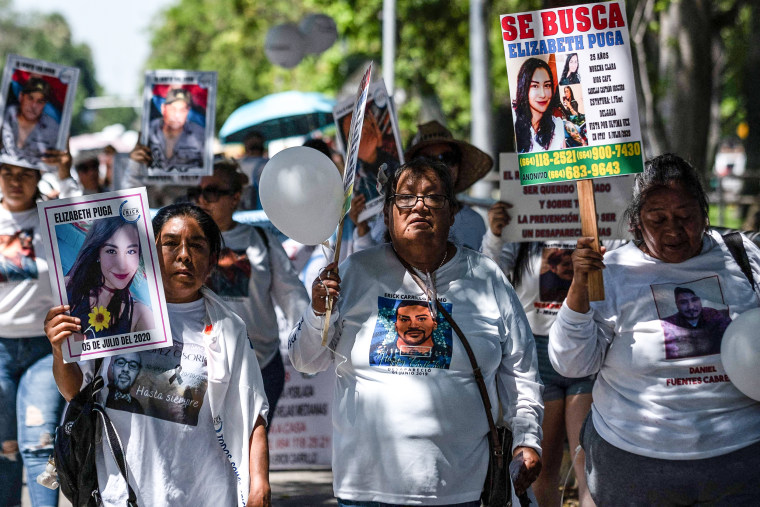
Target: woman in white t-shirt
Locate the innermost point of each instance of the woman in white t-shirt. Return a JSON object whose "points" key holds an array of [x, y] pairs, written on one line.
{"points": [[667, 426], [212, 409], [31, 404]]}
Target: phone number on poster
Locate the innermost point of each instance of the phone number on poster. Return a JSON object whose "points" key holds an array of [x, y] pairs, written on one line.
{"points": [[581, 171]]}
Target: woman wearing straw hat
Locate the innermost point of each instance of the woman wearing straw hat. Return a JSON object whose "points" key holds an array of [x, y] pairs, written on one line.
{"points": [[467, 165]]}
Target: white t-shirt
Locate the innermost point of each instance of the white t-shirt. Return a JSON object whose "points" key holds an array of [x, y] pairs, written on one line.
{"points": [[540, 291], [164, 422], [25, 293], [251, 278], [662, 390], [409, 425]]}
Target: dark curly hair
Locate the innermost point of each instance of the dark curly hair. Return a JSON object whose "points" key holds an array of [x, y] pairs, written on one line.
{"points": [[662, 172]]}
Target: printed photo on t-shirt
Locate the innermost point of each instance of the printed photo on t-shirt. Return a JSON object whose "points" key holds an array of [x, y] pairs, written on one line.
{"points": [[693, 315], [168, 383], [232, 274], [556, 274], [17, 259], [408, 336]]}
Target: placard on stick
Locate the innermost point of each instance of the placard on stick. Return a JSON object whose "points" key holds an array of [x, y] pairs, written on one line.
{"points": [[573, 100], [352, 160]]}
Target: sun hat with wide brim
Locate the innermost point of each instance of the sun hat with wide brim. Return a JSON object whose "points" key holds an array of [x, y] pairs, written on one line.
{"points": [[474, 164]]}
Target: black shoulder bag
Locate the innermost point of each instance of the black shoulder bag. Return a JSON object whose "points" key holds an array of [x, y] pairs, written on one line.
{"points": [[735, 245], [75, 448], [497, 490]]}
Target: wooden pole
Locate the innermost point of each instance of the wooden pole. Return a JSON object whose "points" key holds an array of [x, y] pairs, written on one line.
{"points": [[589, 229], [329, 305]]}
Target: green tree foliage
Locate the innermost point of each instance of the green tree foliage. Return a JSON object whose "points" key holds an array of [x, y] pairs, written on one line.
{"points": [[432, 57], [680, 91], [48, 37]]}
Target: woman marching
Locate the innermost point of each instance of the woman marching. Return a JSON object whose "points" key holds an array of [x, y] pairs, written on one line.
{"points": [[409, 422], [31, 404], [684, 438], [215, 395]]}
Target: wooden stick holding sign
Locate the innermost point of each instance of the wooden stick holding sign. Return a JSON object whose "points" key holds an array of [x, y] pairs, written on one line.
{"points": [[577, 123], [589, 228], [352, 161]]}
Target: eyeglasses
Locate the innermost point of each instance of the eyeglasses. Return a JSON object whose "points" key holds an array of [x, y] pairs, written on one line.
{"points": [[447, 157], [121, 363], [210, 193], [408, 201]]}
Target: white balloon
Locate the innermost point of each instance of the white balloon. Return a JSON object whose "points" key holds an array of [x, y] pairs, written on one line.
{"points": [[301, 192], [740, 352], [285, 45], [320, 32]]}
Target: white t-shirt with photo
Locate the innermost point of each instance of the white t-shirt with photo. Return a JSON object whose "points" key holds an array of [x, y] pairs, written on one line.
{"points": [[167, 430]]}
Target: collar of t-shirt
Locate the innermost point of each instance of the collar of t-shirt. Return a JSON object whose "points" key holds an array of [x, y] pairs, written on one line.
{"points": [[187, 318]]}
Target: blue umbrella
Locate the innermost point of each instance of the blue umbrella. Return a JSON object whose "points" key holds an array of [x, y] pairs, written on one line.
{"points": [[279, 115]]}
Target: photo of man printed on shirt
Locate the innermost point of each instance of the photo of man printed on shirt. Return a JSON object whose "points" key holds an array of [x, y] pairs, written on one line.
{"points": [[408, 335], [693, 317]]}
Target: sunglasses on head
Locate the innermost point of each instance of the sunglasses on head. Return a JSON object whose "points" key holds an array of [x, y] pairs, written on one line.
{"points": [[209, 194]]}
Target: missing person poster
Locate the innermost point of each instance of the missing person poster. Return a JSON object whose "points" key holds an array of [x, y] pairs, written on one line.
{"points": [[36, 100], [572, 92], [179, 109], [104, 265], [380, 145], [552, 212]]}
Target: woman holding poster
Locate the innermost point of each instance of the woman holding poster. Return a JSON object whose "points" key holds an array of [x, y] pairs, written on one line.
{"points": [[31, 404], [536, 127], [541, 273], [203, 394], [98, 284], [409, 421], [667, 426]]}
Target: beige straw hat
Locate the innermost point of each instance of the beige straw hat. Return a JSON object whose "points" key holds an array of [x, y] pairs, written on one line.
{"points": [[474, 164]]}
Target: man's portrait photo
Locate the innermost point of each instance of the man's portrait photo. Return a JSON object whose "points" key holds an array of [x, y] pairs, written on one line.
{"points": [[697, 325], [556, 274], [30, 121], [176, 138], [122, 374], [408, 335]]}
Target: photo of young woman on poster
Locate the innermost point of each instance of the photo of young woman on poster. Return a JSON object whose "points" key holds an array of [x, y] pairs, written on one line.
{"points": [[98, 283], [536, 126], [570, 73]]}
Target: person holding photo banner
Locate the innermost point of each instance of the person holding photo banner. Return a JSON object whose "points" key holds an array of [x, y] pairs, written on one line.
{"points": [[409, 422], [662, 430], [536, 126], [199, 436], [541, 275], [30, 405], [98, 283]]}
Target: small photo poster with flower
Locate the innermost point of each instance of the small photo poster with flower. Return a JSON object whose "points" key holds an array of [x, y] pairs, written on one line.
{"points": [[103, 263]]}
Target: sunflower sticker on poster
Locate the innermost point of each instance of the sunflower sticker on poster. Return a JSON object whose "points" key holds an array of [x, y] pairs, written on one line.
{"points": [[104, 264]]}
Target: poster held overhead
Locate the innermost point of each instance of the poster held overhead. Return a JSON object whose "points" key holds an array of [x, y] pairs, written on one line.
{"points": [[380, 144], [581, 122], [36, 101], [179, 110], [104, 265]]}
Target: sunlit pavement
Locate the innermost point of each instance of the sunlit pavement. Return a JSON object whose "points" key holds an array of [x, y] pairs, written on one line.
{"points": [[302, 488]]}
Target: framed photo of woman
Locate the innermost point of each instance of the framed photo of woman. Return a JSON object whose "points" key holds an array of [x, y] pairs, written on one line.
{"points": [[103, 264]]}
